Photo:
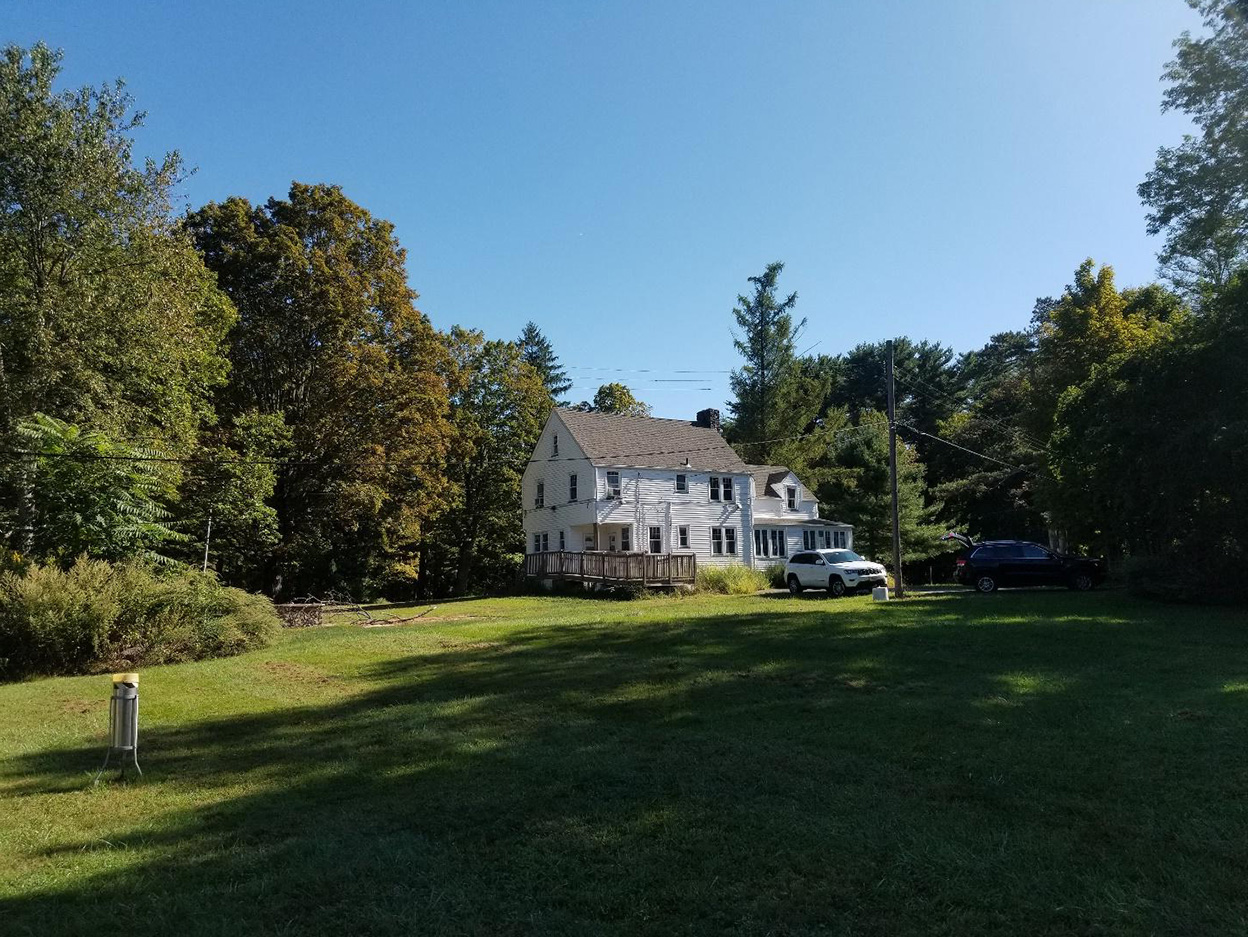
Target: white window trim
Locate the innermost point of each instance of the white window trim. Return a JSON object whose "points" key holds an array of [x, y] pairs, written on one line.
{"points": [[572, 489], [682, 483], [717, 541], [728, 491], [682, 536], [790, 497], [539, 497], [714, 483], [730, 541], [614, 491], [650, 537]]}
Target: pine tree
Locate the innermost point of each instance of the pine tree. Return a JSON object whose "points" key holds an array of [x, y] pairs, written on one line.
{"points": [[539, 354], [773, 397]]}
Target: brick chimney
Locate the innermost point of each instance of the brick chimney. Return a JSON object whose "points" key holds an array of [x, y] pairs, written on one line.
{"points": [[709, 418]]}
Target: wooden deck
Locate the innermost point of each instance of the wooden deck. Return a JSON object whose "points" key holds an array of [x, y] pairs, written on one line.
{"points": [[647, 569]]}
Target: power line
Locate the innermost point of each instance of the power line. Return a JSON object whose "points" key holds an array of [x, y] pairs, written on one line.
{"points": [[1017, 468], [981, 416]]}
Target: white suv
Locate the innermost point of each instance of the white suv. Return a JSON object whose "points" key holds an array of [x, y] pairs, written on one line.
{"points": [[838, 571]]}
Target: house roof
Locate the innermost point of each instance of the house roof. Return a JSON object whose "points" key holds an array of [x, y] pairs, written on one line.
{"points": [[765, 477], [649, 442]]}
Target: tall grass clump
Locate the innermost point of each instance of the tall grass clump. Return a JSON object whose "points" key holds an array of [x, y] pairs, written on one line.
{"points": [[98, 615], [731, 580]]}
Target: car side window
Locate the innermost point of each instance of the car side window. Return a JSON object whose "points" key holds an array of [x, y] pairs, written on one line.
{"points": [[800, 559], [1033, 552]]}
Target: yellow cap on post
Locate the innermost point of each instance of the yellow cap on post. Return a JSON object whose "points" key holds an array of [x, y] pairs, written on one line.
{"points": [[125, 678]]}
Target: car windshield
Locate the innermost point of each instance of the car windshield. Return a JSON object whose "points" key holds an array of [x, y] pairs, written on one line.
{"points": [[840, 556]]}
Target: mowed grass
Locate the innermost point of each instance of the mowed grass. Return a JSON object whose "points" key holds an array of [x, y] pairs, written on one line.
{"points": [[1018, 763]]}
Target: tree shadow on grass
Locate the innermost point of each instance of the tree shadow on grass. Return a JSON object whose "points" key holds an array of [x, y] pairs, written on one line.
{"points": [[906, 769]]}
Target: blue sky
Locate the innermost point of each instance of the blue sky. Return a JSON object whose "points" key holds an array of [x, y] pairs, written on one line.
{"points": [[615, 171]]}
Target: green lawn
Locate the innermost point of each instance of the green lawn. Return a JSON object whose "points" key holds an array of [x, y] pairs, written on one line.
{"points": [[963, 764]]}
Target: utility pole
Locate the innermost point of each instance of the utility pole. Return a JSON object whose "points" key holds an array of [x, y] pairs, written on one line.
{"points": [[898, 587]]}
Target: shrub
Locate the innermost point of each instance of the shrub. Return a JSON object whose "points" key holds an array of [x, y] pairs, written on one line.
{"points": [[775, 576], [97, 615], [731, 580]]}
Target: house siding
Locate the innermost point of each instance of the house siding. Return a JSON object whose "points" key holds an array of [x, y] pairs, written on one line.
{"points": [[648, 497]]}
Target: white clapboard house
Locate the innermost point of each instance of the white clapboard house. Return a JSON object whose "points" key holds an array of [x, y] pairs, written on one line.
{"points": [[615, 497]]}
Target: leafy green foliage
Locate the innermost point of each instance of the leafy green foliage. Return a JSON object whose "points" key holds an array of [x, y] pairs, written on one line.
{"points": [[90, 495], [498, 405], [97, 615], [616, 398], [1197, 192], [861, 494], [108, 317], [232, 486], [329, 342]]}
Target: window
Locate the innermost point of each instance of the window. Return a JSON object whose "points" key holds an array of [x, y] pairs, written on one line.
{"points": [[682, 483], [537, 543], [613, 484], [717, 540], [626, 539], [656, 539], [727, 489], [840, 539], [539, 499], [714, 487], [572, 487], [790, 495], [545, 543], [802, 559], [730, 540], [760, 542], [777, 543], [554, 444], [589, 541], [683, 534], [561, 541], [1033, 552], [808, 541]]}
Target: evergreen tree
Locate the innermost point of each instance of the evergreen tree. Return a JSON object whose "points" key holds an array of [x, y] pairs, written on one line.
{"points": [[774, 398], [537, 352], [860, 492]]}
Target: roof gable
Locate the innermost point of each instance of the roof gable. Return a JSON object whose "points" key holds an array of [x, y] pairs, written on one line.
{"points": [[649, 442]]}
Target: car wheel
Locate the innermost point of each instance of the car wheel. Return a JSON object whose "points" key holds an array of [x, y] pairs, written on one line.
{"points": [[795, 587], [1081, 582], [985, 583], [836, 586]]}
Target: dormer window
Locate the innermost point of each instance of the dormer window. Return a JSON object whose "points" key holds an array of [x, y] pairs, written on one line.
{"points": [[790, 495], [554, 444]]}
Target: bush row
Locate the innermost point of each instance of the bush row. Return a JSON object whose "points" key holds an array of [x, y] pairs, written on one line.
{"points": [[97, 615]]}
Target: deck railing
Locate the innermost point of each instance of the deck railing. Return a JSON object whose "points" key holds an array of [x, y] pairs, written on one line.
{"points": [[644, 568]]}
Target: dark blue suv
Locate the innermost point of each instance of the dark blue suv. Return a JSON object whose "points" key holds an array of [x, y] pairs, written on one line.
{"points": [[994, 563]]}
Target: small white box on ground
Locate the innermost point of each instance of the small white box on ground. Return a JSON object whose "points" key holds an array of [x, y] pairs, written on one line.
{"points": [[880, 593]]}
